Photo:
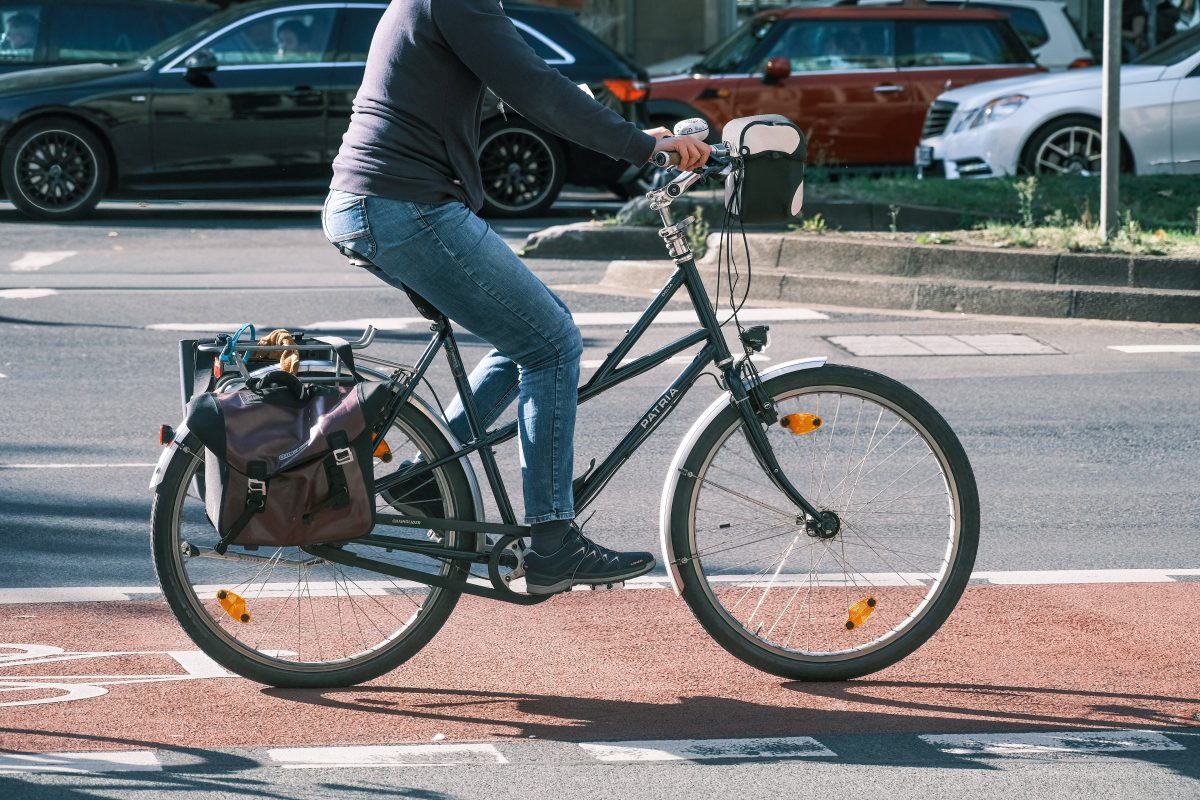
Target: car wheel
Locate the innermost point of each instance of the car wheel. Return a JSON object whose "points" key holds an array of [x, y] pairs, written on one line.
{"points": [[646, 179], [1067, 146], [523, 170], [54, 169]]}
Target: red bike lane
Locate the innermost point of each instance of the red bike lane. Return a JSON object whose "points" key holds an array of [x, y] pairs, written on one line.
{"points": [[607, 666]]}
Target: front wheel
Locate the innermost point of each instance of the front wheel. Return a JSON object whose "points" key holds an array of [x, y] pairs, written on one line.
{"points": [[54, 169], [826, 602]]}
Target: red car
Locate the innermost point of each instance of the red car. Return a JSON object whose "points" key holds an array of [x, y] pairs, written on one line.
{"points": [[858, 80]]}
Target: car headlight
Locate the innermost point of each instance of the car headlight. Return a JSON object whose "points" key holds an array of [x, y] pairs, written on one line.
{"points": [[991, 111]]}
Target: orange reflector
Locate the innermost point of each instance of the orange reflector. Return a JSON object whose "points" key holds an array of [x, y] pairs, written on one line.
{"points": [[383, 452], [1080, 63], [859, 613], [626, 90], [234, 605], [166, 435], [800, 424], [217, 368]]}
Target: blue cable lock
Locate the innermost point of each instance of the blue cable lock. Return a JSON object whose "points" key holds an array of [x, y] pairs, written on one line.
{"points": [[227, 355]]}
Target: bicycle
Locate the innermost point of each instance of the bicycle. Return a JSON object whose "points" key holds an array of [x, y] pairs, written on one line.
{"points": [[821, 521]]}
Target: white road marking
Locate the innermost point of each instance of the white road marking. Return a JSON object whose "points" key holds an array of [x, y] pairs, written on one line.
{"points": [[128, 465], [107, 761], [25, 294], [941, 345], [121, 594], [594, 363], [1065, 743], [702, 749], [413, 755], [1155, 348], [583, 319], [36, 260]]}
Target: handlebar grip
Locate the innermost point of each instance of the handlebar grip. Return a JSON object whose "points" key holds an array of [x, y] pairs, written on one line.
{"points": [[665, 158]]}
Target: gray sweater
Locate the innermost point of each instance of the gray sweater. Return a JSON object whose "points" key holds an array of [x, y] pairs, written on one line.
{"points": [[414, 131]]}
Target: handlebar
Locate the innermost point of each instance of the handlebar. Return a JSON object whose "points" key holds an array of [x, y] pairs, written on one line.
{"points": [[719, 157]]}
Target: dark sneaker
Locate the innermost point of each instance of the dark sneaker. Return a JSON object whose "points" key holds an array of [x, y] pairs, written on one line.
{"points": [[418, 497], [581, 561]]}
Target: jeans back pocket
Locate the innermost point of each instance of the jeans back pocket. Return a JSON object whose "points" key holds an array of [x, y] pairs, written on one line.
{"points": [[344, 221]]}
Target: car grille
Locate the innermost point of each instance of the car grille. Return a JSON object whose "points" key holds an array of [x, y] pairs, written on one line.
{"points": [[937, 118]]}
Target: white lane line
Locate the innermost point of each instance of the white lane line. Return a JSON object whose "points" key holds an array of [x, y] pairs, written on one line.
{"points": [[414, 755], [1037, 744], [129, 465], [702, 749], [108, 761], [1155, 348], [583, 319], [594, 363], [111, 594], [970, 344], [33, 261], [25, 294]]}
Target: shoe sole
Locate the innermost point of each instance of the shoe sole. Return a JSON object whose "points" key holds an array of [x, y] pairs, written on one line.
{"points": [[567, 583]]}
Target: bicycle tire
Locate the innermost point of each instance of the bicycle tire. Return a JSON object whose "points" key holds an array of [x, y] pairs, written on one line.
{"points": [[218, 636], [711, 582]]}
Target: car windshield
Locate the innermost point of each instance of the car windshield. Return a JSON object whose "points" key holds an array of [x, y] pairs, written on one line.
{"points": [[173, 44], [730, 55], [1172, 51]]}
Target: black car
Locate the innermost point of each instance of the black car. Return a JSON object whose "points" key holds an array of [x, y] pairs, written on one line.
{"points": [[47, 33], [254, 101]]}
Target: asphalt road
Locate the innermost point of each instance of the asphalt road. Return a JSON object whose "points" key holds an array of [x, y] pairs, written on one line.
{"points": [[1085, 457]]}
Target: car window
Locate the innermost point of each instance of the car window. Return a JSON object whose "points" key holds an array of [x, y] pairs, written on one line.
{"points": [[1026, 21], [354, 38], [106, 32], [730, 55], [1173, 50], [818, 45], [288, 38], [19, 32], [174, 20], [548, 50], [960, 43]]}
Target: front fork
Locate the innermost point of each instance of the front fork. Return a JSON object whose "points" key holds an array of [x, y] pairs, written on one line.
{"points": [[750, 406]]}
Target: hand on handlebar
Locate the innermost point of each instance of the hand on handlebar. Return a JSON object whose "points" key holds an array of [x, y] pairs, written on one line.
{"points": [[685, 152]]}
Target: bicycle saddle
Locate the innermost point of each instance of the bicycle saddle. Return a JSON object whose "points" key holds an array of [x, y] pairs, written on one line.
{"points": [[425, 308]]}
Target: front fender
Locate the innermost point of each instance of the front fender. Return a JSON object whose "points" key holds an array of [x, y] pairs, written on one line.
{"points": [[685, 450]]}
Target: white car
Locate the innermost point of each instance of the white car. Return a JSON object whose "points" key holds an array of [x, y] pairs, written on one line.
{"points": [[1050, 124]]}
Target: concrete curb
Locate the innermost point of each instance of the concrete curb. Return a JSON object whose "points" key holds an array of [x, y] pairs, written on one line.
{"points": [[1022, 299]]}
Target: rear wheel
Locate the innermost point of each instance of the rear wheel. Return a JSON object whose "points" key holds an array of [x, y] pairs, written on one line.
{"points": [[308, 622], [829, 601], [54, 169], [523, 170]]}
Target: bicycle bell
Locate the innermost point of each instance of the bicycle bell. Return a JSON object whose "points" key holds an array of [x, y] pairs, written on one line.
{"points": [[694, 127]]}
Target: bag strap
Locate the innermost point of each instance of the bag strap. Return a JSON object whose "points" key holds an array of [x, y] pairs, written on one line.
{"points": [[256, 501], [344, 353], [339, 488]]}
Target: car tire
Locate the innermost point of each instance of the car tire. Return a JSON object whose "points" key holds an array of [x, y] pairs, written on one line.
{"points": [[523, 169], [1067, 146], [55, 169]]}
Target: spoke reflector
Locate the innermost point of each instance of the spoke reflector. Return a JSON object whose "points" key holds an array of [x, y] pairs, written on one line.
{"points": [[859, 612], [800, 424], [234, 605]]}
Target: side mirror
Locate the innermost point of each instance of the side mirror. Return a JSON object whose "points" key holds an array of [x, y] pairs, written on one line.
{"points": [[201, 62], [777, 69]]}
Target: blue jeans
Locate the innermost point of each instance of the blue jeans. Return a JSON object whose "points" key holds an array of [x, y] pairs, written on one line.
{"points": [[455, 260]]}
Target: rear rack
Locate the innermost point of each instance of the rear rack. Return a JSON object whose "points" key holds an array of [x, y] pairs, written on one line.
{"points": [[305, 344]]}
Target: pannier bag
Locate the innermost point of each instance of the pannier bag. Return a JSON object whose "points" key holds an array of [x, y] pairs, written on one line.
{"points": [[288, 463], [770, 187]]}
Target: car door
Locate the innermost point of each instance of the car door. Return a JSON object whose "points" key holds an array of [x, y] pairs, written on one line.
{"points": [[937, 55], [356, 26], [259, 118], [1185, 125], [843, 89]]}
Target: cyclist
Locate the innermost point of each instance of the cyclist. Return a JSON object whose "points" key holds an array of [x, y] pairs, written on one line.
{"points": [[404, 194]]}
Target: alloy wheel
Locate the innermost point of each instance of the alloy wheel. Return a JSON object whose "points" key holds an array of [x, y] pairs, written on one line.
{"points": [[1074, 150], [56, 171], [518, 168]]}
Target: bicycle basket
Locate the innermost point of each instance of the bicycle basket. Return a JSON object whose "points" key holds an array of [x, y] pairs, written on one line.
{"points": [[770, 186]]}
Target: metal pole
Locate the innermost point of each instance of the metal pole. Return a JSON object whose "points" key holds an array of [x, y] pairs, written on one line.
{"points": [[1110, 119]]}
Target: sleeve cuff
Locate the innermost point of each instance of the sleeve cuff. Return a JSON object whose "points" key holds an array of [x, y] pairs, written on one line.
{"points": [[639, 148]]}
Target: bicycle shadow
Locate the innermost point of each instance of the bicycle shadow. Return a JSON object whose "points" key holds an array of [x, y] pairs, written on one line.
{"points": [[569, 718]]}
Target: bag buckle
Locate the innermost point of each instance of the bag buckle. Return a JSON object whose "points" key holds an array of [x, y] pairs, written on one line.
{"points": [[255, 486], [343, 455]]}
